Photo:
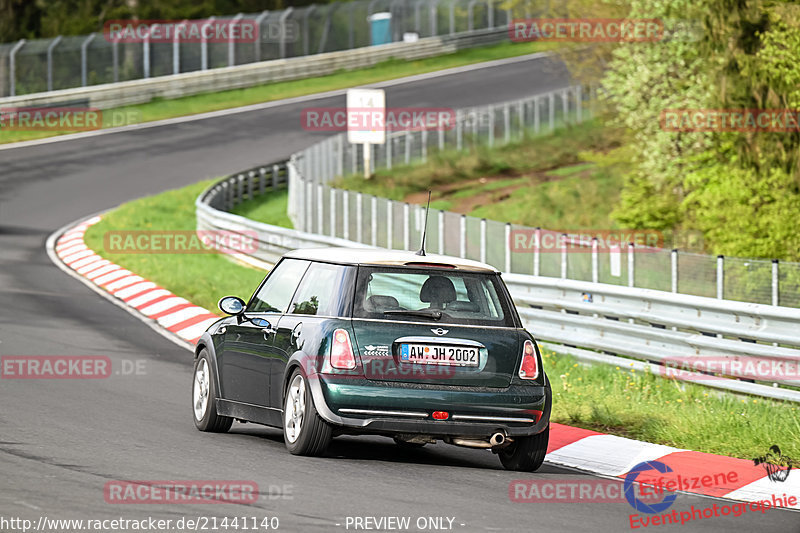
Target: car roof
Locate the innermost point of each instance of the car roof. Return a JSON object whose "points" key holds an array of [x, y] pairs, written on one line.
{"points": [[381, 257]]}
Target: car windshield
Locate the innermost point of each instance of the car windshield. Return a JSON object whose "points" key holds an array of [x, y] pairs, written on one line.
{"points": [[435, 295]]}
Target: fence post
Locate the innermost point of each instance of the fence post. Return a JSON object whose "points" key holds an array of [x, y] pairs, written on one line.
{"points": [[320, 209], [408, 148], [176, 48], [424, 145], [552, 110], [346, 215], [491, 126], [340, 155], [441, 231], [389, 223], [563, 256], [537, 250], [231, 41], [565, 105], [50, 48], [359, 218], [262, 180], [373, 222], [452, 17], [307, 31], [775, 283], [507, 247], [146, 54], [631, 266], [257, 43], [595, 261], [536, 122], [204, 44], [115, 59], [434, 17], [251, 184], [333, 212], [521, 114], [309, 194], [579, 104], [441, 139], [282, 22], [351, 39], [506, 123], [275, 174], [406, 228], [85, 59], [720, 276], [483, 240], [674, 269], [459, 132], [470, 13], [490, 10], [389, 142], [462, 237]]}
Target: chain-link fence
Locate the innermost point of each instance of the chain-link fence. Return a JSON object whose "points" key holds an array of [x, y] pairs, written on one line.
{"points": [[32, 66], [316, 207]]}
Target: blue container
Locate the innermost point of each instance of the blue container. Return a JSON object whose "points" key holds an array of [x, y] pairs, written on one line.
{"points": [[380, 25]]}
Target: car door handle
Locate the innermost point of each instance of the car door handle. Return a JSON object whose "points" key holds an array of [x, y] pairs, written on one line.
{"points": [[268, 331], [296, 331]]}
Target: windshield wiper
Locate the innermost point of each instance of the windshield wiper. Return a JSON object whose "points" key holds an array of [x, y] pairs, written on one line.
{"points": [[436, 315]]}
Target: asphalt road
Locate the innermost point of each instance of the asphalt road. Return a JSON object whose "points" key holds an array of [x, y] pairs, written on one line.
{"points": [[61, 441]]}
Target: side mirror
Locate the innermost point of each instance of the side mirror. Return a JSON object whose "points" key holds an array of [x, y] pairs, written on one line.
{"points": [[231, 305]]}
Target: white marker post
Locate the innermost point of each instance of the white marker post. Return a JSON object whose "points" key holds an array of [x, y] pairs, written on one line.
{"points": [[366, 121]]}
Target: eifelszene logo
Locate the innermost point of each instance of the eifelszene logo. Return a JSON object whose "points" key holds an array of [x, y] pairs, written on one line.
{"points": [[636, 502], [775, 463]]}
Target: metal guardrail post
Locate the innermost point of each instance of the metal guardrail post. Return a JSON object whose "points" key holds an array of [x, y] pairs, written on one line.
{"points": [[434, 15], [176, 48], [50, 48], [275, 175], [12, 67], [551, 102], [389, 143], [631, 266], [674, 269], [309, 194], [506, 123], [282, 22], [483, 240], [408, 148], [459, 131], [491, 127], [471, 15], [452, 17], [490, 13], [320, 209], [406, 227], [462, 237], [373, 221], [565, 105], [536, 121], [306, 26], [359, 218], [204, 43], [537, 251], [257, 43], [720, 277], [389, 224], [340, 155], [333, 212], [579, 104], [146, 54], [424, 145], [563, 256], [346, 215], [595, 261], [231, 40], [521, 116], [351, 32], [440, 218], [507, 247], [775, 283]]}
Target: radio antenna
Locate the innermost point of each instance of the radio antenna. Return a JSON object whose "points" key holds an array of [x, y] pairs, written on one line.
{"points": [[425, 227]]}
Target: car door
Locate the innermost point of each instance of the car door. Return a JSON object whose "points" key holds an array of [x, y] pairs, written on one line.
{"points": [[324, 295], [249, 344]]}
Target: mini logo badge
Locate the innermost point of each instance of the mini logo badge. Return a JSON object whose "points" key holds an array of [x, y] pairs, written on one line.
{"points": [[439, 331]]}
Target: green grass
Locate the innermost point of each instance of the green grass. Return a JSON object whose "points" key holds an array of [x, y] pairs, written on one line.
{"points": [[269, 208], [394, 68], [612, 400], [685, 415], [200, 278]]}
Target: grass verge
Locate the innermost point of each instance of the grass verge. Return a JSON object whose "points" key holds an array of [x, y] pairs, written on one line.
{"points": [[612, 400], [394, 68]]}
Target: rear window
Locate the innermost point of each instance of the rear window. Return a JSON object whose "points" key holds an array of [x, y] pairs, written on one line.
{"points": [[438, 296]]}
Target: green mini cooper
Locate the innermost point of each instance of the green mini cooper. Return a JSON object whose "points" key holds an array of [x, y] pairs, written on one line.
{"points": [[357, 341]]}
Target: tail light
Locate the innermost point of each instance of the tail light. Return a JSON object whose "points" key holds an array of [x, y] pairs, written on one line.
{"points": [[342, 356], [529, 369]]}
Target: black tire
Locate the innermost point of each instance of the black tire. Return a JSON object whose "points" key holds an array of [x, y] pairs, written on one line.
{"points": [[526, 454], [409, 445], [313, 434], [209, 421]]}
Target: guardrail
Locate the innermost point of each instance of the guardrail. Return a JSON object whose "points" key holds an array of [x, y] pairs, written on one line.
{"points": [[42, 65], [125, 93], [595, 322]]}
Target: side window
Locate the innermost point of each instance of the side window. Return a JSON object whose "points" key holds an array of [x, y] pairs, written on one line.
{"points": [[320, 291], [276, 293]]}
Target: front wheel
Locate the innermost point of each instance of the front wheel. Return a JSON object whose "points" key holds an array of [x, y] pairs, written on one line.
{"points": [[204, 397], [526, 454], [304, 432]]}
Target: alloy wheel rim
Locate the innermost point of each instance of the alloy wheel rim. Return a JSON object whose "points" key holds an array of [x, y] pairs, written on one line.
{"points": [[295, 409], [200, 390]]}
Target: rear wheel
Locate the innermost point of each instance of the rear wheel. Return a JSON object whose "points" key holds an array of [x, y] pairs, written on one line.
{"points": [[304, 432], [204, 397], [525, 454]]}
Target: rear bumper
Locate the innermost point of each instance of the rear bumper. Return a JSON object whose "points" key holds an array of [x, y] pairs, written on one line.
{"points": [[362, 406]]}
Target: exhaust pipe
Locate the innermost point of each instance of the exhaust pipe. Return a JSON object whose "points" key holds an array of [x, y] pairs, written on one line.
{"points": [[496, 441]]}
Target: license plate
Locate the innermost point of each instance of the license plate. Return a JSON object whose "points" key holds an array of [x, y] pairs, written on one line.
{"points": [[433, 354]]}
